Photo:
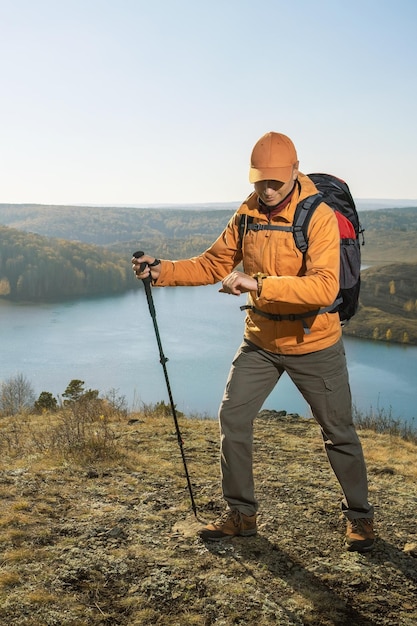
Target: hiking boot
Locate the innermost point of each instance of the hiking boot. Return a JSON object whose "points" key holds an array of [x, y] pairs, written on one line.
{"points": [[360, 536], [231, 524]]}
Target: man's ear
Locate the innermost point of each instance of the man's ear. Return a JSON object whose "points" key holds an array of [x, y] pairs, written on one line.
{"points": [[295, 170]]}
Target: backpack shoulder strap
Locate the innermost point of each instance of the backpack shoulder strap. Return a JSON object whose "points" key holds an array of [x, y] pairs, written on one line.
{"points": [[302, 217], [244, 222]]}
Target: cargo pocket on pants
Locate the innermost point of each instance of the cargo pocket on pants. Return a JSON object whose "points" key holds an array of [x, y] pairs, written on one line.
{"points": [[338, 398]]}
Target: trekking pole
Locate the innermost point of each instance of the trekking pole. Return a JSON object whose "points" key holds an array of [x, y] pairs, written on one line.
{"points": [[163, 360]]}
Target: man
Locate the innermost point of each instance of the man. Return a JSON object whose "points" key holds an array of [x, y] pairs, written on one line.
{"points": [[288, 328]]}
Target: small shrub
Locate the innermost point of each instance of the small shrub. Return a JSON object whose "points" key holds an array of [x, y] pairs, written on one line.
{"points": [[16, 395], [116, 403], [84, 403], [46, 402], [382, 421], [160, 409], [76, 436]]}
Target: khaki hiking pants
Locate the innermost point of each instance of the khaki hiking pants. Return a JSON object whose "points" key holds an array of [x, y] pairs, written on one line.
{"points": [[322, 378]]}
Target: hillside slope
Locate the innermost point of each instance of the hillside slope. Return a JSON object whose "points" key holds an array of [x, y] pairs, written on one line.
{"points": [[110, 538], [388, 304]]}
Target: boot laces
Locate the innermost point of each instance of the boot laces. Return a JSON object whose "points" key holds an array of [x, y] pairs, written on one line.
{"points": [[360, 523], [234, 515]]}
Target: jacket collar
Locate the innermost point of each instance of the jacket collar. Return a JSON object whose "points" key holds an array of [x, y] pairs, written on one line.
{"points": [[304, 187]]}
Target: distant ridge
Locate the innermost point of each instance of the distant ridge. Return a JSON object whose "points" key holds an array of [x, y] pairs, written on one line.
{"points": [[368, 204], [363, 204]]}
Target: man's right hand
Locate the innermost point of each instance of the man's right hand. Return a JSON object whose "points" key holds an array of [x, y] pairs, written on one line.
{"points": [[152, 267]]}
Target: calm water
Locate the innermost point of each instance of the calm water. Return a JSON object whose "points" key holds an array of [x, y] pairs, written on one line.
{"points": [[110, 343]]}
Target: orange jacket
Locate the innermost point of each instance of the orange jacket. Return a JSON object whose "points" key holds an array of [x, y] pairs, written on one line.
{"points": [[295, 283]]}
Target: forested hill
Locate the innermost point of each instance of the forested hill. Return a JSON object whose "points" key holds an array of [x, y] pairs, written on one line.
{"points": [[388, 304], [38, 269], [198, 227], [115, 225]]}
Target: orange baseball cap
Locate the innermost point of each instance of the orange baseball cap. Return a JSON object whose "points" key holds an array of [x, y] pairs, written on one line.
{"points": [[273, 158]]}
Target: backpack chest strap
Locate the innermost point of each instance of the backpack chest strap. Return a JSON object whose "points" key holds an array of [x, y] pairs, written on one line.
{"points": [[255, 226]]}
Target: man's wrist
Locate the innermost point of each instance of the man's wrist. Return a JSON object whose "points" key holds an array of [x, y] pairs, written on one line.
{"points": [[259, 277]]}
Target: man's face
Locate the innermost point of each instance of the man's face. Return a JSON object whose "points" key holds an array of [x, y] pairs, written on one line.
{"points": [[272, 192]]}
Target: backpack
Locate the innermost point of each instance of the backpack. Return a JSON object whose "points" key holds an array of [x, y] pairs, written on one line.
{"points": [[336, 194]]}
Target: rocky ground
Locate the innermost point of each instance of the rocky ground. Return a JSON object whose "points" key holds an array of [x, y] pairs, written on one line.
{"points": [[113, 542]]}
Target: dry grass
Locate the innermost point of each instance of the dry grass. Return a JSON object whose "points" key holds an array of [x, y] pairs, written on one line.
{"points": [[98, 530], [386, 451]]}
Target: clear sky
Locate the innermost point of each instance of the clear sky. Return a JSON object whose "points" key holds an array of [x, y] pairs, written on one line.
{"points": [[161, 101]]}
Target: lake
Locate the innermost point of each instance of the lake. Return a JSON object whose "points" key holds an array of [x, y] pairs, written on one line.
{"points": [[110, 343]]}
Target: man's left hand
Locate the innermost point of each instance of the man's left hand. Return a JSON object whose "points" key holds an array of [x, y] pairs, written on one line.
{"points": [[237, 283]]}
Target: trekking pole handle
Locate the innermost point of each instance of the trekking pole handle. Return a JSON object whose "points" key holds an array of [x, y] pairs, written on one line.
{"points": [[137, 255]]}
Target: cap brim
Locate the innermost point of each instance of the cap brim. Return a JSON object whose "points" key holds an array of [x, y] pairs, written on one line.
{"points": [[281, 174]]}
